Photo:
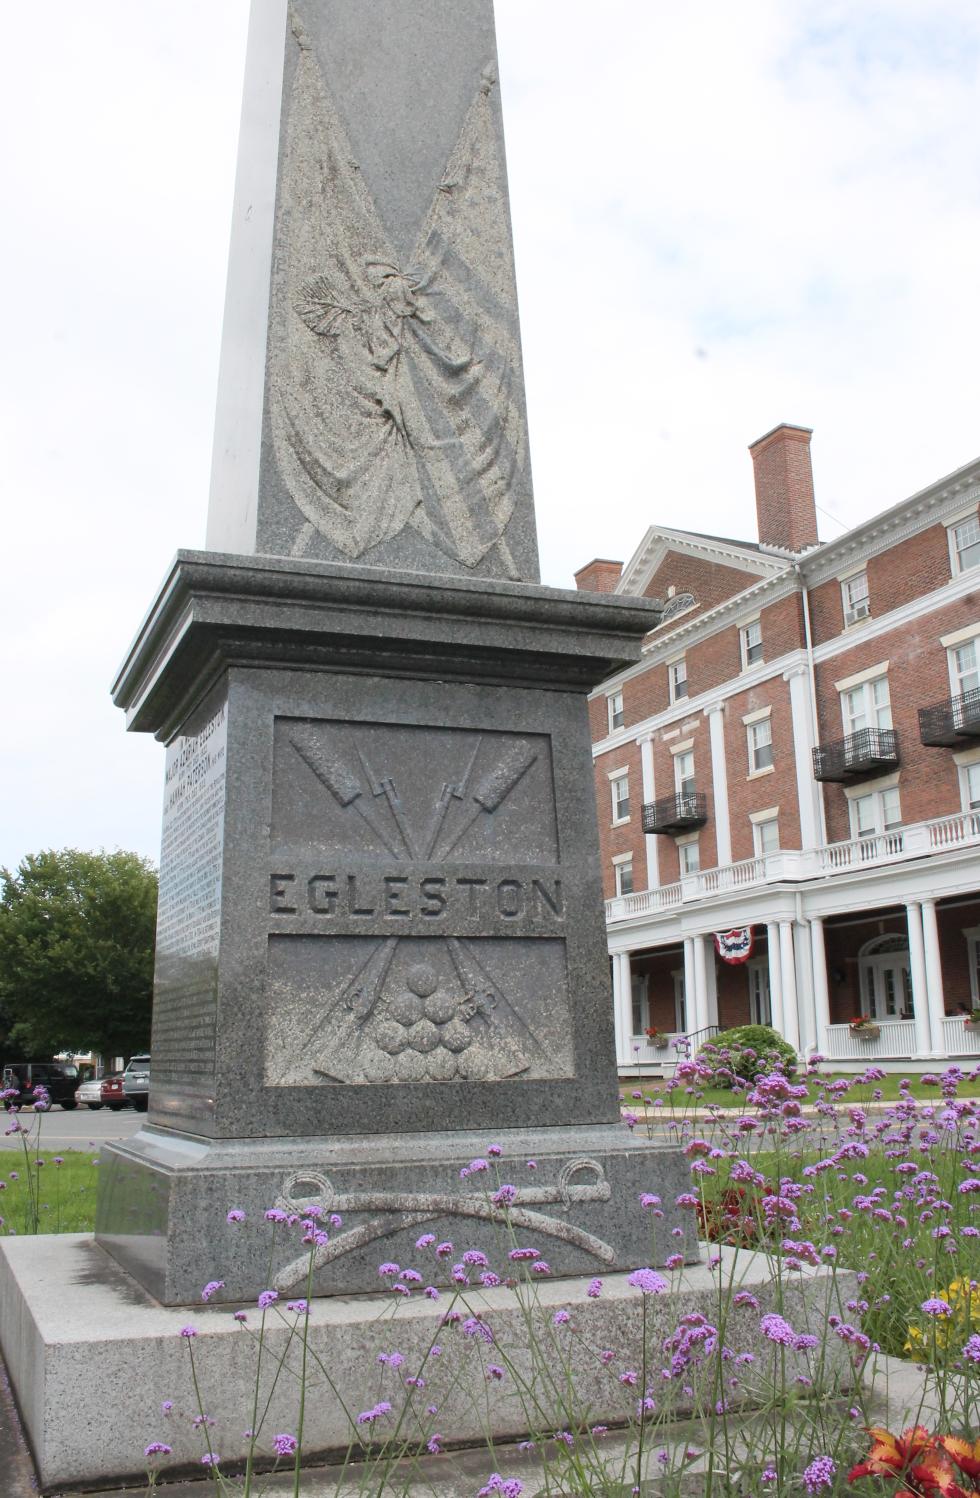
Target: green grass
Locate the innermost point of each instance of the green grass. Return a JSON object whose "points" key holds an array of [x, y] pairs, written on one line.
{"points": [[65, 1193], [721, 1098]]}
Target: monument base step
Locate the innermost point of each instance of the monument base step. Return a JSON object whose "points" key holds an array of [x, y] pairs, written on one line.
{"points": [[92, 1358]]}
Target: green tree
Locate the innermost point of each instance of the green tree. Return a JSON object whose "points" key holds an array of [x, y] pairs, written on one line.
{"points": [[76, 952]]}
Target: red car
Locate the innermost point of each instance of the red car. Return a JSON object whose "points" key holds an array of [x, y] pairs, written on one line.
{"points": [[112, 1092]]}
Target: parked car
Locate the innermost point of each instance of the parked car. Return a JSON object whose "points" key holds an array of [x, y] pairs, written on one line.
{"points": [[136, 1082], [112, 1092], [58, 1078], [90, 1092]]}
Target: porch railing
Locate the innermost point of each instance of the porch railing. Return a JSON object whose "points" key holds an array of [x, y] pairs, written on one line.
{"points": [[796, 866], [957, 1039], [896, 1042]]}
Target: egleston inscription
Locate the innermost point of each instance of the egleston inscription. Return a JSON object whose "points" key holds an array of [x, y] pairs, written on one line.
{"points": [[416, 908]]}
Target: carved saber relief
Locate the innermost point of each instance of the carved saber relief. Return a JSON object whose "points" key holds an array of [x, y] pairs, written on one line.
{"points": [[411, 1209], [394, 384], [415, 1023]]}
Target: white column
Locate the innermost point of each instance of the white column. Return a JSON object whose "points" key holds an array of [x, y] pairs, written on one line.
{"points": [[934, 977], [804, 988], [821, 991], [690, 985], [719, 783], [649, 794], [807, 789], [623, 1008], [787, 963], [775, 977], [701, 1019], [920, 987], [711, 976]]}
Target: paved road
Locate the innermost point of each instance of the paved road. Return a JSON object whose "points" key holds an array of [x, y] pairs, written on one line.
{"points": [[79, 1130]]}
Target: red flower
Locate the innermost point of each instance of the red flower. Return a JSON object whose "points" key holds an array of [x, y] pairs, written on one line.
{"points": [[917, 1458], [966, 1457]]}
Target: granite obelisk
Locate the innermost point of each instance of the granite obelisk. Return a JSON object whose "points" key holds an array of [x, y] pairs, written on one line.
{"points": [[381, 941]]}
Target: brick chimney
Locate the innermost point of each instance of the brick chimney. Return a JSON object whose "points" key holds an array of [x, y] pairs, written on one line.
{"points": [[599, 576], [784, 488]]}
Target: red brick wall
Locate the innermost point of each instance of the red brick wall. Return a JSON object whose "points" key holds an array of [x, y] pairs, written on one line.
{"points": [[710, 582], [907, 570], [776, 789], [628, 837], [917, 676]]}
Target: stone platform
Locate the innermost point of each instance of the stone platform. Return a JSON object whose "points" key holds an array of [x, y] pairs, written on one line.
{"points": [[92, 1357]]}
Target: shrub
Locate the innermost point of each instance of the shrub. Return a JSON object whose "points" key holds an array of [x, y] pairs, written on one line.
{"points": [[741, 1054]]}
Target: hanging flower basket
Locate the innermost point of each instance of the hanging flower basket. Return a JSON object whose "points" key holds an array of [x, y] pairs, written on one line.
{"points": [[973, 1025], [865, 1028], [659, 1039]]}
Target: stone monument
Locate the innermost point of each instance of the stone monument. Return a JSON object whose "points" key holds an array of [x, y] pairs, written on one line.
{"points": [[381, 940]]}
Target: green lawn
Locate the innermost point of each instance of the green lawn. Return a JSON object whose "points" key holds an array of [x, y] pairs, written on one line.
{"points": [[64, 1194], [682, 1101]]}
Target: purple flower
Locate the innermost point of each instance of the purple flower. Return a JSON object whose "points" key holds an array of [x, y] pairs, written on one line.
{"points": [[212, 1288], [275, 1214], [235, 1215], [504, 1196], [284, 1445], [434, 1444], [674, 1261], [494, 1151], [936, 1307], [210, 1459], [474, 1256], [167, 1407], [474, 1327], [430, 1292], [426, 1240], [819, 1474], [266, 1299], [299, 1306], [240, 1316], [443, 1250], [188, 1331], [157, 1448], [972, 1349], [540, 1267], [561, 1318], [648, 1281], [388, 1270], [494, 1371], [777, 1330], [595, 1289], [517, 1254], [649, 1200]]}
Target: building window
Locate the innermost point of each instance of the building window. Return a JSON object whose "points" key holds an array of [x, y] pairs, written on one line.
{"points": [[760, 745], [640, 994], [964, 675], [690, 856], [964, 544], [866, 706], [677, 679], [854, 595], [623, 870], [970, 786], [765, 835], [614, 704], [876, 812], [751, 637], [684, 773], [620, 787]]}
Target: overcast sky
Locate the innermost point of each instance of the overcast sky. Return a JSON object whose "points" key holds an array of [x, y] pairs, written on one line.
{"points": [[726, 216]]}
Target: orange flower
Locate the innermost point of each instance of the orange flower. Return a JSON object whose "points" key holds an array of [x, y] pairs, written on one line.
{"points": [[917, 1458], [966, 1457]]}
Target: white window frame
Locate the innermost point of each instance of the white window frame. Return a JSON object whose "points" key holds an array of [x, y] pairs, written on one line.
{"points": [[683, 844], [957, 546], [972, 934], [675, 679], [746, 644], [680, 755], [622, 863], [873, 712], [756, 745], [760, 821], [966, 762], [958, 676], [875, 791], [640, 1002], [856, 608], [617, 778], [614, 709]]}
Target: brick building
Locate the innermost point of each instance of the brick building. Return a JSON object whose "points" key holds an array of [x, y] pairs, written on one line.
{"points": [[798, 754]]}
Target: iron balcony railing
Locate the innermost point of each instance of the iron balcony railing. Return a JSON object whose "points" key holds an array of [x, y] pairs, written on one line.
{"points": [[860, 753], [949, 722], [682, 812]]}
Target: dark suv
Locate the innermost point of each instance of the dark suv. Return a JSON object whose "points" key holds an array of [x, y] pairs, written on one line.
{"points": [[58, 1078], [136, 1082]]}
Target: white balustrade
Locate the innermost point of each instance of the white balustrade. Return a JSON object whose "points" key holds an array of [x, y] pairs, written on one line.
{"points": [[896, 1042], [957, 1039]]}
